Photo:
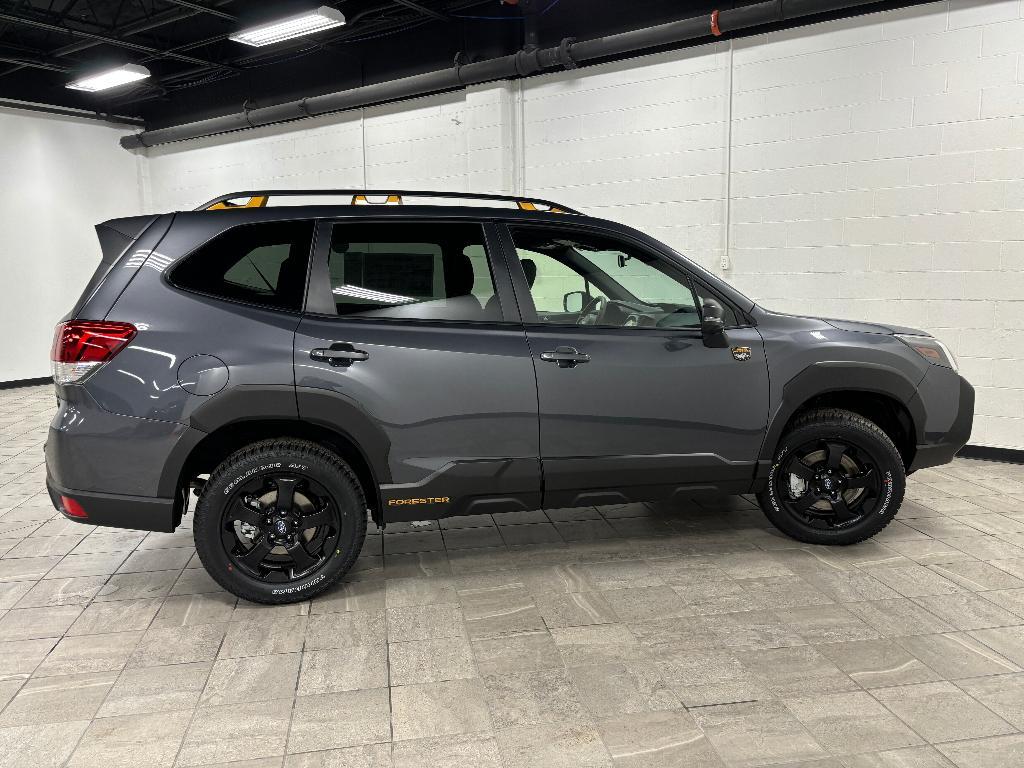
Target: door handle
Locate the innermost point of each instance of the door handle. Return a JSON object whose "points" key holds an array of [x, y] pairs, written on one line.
{"points": [[566, 357], [339, 353]]}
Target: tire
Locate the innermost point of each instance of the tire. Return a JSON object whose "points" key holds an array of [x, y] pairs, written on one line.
{"points": [[852, 497], [269, 552]]}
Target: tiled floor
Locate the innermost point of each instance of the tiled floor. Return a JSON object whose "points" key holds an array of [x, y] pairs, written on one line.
{"points": [[635, 636]]}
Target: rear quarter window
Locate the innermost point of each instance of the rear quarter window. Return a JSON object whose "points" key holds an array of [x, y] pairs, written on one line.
{"points": [[263, 263]]}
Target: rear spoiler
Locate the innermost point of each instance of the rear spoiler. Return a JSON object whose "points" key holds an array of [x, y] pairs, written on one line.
{"points": [[117, 234], [116, 237]]}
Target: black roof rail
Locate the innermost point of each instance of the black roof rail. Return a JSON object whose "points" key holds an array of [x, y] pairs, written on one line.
{"points": [[259, 198]]}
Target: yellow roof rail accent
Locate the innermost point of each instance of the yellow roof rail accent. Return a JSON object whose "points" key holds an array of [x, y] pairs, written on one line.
{"points": [[227, 205], [529, 205], [365, 200], [259, 199]]}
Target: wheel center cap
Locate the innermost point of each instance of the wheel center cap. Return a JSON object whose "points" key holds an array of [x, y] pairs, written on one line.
{"points": [[281, 527]]}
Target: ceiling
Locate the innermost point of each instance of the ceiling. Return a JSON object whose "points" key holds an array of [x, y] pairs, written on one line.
{"points": [[198, 73]]}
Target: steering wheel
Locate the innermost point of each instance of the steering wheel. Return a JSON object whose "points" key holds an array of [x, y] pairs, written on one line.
{"points": [[593, 312]]}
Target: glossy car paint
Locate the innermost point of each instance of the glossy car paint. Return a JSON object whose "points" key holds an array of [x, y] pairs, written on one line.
{"points": [[465, 411]]}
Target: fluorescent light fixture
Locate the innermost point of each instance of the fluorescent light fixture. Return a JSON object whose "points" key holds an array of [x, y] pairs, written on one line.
{"points": [[306, 23], [111, 78]]}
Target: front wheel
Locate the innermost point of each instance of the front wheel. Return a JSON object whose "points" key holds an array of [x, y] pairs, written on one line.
{"points": [[280, 521], [837, 478]]}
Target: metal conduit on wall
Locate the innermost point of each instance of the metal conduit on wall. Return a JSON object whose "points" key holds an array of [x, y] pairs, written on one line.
{"points": [[569, 54]]}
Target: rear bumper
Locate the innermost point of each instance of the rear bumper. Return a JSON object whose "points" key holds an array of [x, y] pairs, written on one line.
{"points": [[111, 465], [943, 451], [139, 512]]}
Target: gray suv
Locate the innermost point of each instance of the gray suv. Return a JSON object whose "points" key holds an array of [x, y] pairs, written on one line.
{"points": [[416, 355]]}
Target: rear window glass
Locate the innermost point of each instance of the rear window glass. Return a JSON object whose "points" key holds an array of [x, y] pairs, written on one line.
{"points": [[261, 263]]}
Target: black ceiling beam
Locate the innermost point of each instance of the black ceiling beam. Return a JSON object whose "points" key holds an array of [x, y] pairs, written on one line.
{"points": [[30, 57], [33, 63], [200, 8], [114, 41], [423, 10], [144, 25], [250, 61], [253, 59]]}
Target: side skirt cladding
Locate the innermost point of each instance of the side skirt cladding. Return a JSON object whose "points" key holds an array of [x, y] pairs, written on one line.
{"points": [[477, 487]]}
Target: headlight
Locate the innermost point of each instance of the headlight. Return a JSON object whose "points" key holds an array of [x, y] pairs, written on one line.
{"points": [[931, 349]]}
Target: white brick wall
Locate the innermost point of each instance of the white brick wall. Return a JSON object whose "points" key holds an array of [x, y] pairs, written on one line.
{"points": [[877, 167], [910, 128]]}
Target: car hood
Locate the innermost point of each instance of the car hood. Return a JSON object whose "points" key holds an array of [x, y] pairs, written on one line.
{"points": [[859, 327]]}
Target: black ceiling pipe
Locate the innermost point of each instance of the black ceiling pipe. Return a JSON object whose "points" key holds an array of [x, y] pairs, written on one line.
{"points": [[522, 64]]}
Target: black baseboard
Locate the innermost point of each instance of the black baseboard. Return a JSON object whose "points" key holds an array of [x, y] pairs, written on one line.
{"points": [[26, 382], [1008, 455]]}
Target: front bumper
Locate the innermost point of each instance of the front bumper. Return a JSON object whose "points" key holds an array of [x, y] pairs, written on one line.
{"points": [[942, 451]]}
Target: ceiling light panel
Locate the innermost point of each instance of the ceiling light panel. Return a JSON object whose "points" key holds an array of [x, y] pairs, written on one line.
{"points": [[111, 78], [307, 23]]}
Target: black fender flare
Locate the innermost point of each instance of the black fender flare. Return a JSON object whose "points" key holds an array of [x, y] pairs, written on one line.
{"points": [[245, 402], [338, 413], [840, 376], [241, 403]]}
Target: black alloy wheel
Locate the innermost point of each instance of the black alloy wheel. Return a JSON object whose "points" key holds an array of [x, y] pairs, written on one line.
{"points": [[837, 478], [831, 483], [280, 527], [280, 521]]}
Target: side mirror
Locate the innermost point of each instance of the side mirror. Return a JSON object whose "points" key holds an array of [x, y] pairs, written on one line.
{"points": [[712, 324], [574, 301]]}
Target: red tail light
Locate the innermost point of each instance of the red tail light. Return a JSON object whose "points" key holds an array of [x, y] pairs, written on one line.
{"points": [[72, 508], [81, 346]]}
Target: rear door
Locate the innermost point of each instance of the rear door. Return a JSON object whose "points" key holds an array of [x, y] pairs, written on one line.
{"points": [[412, 344], [633, 406]]}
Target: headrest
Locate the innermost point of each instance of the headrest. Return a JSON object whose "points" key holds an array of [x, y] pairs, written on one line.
{"points": [[458, 274]]}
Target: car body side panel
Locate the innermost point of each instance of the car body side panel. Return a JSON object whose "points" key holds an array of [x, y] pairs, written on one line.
{"points": [[810, 356], [253, 344], [651, 413], [454, 404], [90, 449]]}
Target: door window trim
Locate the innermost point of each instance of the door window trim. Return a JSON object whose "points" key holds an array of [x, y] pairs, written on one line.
{"points": [[320, 302], [525, 297]]}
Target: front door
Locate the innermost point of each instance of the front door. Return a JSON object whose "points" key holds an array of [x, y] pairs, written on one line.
{"points": [[411, 345], [633, 405]]}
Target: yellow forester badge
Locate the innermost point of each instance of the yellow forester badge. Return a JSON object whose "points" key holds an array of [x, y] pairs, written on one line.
{"points": [[741, 353]]}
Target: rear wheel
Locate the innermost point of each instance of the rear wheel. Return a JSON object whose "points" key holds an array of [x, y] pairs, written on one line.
{"points": [[836, 479], [280, 521]]}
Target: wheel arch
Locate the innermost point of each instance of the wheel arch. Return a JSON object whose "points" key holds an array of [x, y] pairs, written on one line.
{"points": [[207, 450], [879, 393]]}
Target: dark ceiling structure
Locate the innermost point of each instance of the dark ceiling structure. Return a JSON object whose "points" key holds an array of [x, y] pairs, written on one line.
{"points": [[198, 73]]}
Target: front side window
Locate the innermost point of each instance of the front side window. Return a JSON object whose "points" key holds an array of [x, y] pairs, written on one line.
{"points": [[411, 271], [582, 279], [262, 263]]}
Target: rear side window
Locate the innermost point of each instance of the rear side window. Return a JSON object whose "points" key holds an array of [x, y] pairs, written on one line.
{"points": [[411, 271], [261, 263]]}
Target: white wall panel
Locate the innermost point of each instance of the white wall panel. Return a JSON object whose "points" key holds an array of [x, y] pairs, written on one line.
{"points": [[59, 177]]}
